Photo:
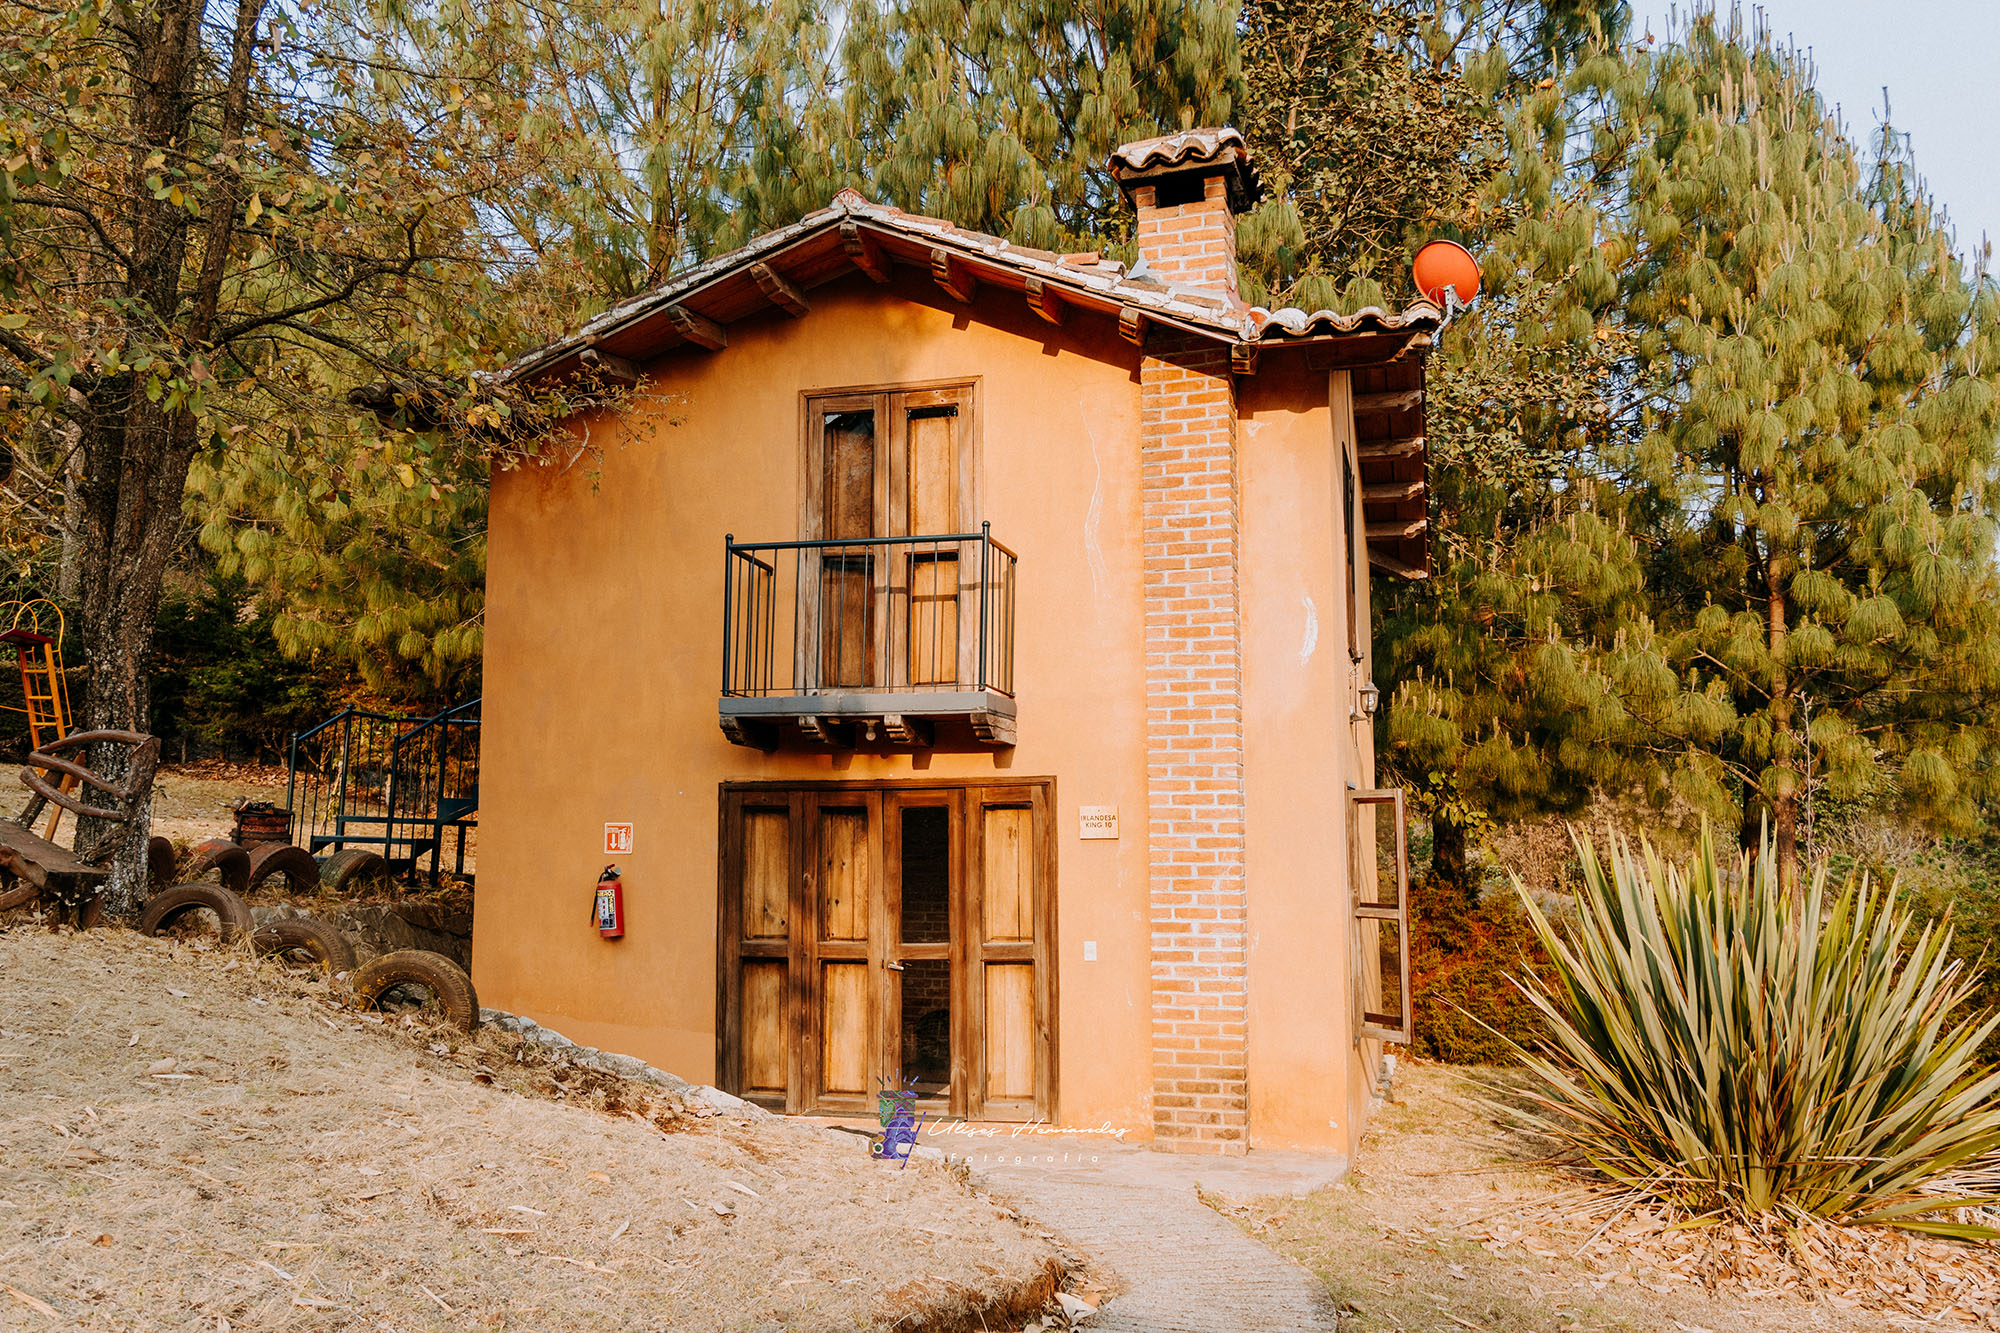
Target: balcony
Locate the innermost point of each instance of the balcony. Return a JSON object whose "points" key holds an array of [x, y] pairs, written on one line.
{"points": [[894, 641]]}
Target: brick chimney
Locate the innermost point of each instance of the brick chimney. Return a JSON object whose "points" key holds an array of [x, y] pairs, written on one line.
{"points": [[1187, 189]]}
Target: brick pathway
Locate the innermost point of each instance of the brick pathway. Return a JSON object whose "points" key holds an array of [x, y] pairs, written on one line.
{"points": [[1183, 1267]]}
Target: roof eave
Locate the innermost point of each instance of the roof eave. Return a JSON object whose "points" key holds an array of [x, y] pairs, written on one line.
{"points": [[1112, 294]]}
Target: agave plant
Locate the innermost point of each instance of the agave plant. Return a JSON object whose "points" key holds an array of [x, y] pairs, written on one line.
{"points": [[1731, 1049]]}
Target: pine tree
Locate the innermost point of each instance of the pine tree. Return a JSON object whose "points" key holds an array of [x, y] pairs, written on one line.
{"points": [[1384, 124], [1001, 117], [1817, 382], [641, 136], [1377, 122], [1792, 448]]}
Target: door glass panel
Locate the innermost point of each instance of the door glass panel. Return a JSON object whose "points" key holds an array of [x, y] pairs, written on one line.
{"points": [[926, 1025], [843, 874], [1008, 893], [926, 875]]}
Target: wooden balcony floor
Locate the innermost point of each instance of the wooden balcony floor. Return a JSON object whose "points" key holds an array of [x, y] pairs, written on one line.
{"points": [[843, 719]]}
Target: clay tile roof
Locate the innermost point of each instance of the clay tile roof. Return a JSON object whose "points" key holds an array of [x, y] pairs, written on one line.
{"points": [[1100, 283], [1296, 323]]}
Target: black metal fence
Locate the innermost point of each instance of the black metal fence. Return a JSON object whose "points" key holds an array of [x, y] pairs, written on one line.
{"points": [[401, 786], [884, 615]]}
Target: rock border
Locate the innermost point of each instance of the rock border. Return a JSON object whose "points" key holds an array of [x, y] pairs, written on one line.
{"points": [[623, 1066]]}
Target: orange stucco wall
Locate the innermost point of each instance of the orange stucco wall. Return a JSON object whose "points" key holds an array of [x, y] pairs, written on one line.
{"points": [[603, 662], [603, 659], [1299, 755]]}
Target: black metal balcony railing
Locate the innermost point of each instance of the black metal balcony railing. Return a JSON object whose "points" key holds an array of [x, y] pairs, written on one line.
{"points": [[885, 615]]}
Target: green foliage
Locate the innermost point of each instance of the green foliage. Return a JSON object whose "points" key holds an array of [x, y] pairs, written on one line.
{"points": [[363, 558], [631, 140], [1376, 123], [1823, 423], [1725, 1046], [214, 226], [644, 135], [1001, 117], [221, 685], [1817, 401], [1714, 465]]}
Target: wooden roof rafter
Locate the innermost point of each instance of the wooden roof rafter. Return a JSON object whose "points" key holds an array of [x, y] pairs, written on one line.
{"points": [[1388, 406], [782, 293]]}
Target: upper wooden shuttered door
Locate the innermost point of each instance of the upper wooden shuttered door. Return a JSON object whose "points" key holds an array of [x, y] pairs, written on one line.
{"points": [[889, 464], [874, 934]]}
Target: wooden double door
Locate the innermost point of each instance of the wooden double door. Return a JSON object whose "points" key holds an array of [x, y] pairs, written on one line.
{"points": [[875, 935], [885, 470]]}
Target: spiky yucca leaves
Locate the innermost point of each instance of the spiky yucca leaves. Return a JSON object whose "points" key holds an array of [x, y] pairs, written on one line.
{"points": [[1730, 1049]]}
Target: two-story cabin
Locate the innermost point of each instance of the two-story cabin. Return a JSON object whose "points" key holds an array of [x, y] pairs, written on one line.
{"points": [[975, 639]]}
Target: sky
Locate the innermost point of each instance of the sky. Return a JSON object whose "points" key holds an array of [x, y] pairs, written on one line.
{"points": [[1936, 59]]}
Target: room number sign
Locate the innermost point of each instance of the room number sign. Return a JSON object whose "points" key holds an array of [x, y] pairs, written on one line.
{"points": [[1097, 821]]}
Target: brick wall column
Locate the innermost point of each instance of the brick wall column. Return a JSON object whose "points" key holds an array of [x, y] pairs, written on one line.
{"points": [[1194, 738], [1191, 244]]}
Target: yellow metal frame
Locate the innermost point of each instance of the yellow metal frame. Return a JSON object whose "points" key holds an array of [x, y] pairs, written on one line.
{"points": [[44, 686]]}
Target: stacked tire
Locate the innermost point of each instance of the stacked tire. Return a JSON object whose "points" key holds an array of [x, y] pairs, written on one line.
{"points": [[243, 869], [177, 907], [349, 866], [418, 969], [299, 940], [307, 940]]}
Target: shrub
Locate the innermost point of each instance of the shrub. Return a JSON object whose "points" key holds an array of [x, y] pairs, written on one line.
{"points": [[1462, 952], [1726, 1048]]}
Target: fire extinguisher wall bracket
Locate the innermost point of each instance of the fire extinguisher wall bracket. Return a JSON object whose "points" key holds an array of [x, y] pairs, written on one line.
{"points": [[607, 906]]}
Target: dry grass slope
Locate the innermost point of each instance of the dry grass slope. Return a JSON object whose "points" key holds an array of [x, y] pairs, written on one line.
{"points": [[195, 1140]]}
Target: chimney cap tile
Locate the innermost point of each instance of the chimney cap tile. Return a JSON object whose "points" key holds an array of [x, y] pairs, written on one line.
{"points": [[1210, 150]]}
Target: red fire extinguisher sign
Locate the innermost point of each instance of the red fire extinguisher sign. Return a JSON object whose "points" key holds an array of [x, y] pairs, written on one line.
{"points": [[607, 911]]}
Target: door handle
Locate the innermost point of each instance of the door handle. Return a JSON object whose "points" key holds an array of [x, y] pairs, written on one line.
{"points": [[893, 967]]}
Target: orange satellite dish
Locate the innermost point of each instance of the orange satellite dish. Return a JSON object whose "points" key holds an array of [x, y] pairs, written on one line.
{"points": [[1446, 266]]}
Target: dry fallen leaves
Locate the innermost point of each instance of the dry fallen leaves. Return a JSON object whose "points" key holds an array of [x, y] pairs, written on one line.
{"points": [[1872, 1268]]}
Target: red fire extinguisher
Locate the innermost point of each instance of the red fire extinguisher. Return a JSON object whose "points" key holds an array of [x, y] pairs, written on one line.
{"points": [[607, 911]]}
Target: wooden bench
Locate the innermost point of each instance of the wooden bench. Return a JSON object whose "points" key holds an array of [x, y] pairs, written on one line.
{"points": [[72, 881]]}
